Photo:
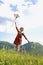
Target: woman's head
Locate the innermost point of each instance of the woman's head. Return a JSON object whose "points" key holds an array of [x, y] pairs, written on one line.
{"points": [[21, 29]]}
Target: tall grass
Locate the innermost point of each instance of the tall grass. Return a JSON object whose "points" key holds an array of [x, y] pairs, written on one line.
{"points": [[13, 58]]}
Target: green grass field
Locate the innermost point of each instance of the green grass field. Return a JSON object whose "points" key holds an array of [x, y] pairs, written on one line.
{"points": [[12, 58]]}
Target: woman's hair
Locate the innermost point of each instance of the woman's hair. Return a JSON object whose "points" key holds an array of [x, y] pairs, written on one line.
{"points": [[21, 29]]}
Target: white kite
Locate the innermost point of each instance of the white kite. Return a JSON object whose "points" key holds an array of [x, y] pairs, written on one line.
{"points": [[16, 16]]}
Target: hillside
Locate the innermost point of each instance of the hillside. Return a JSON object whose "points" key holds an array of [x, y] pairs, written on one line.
{"points": [[6, 45], [32, 48]]}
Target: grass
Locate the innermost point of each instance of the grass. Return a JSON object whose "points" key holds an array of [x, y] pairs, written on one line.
{"points": [[12, 58]]}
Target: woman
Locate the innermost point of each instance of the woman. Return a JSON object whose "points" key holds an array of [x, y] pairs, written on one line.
{"points": [[18, 39]]}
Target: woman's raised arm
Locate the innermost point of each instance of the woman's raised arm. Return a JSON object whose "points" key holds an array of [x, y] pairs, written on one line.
{"points": [[16, 27]]}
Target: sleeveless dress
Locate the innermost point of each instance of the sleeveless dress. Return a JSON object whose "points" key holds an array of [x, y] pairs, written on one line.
{"points": [[18, 39]]}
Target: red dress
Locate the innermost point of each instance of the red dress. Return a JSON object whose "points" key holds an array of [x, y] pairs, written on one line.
{"points": [[18, 39]]}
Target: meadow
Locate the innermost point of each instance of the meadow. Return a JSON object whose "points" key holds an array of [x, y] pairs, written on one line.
{"points": [[9, 57]]}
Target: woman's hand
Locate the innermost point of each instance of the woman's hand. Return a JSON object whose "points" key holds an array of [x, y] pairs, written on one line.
{"points": [[15, 23], [28, 41]]}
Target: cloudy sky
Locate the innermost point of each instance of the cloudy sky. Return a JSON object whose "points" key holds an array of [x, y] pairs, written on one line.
{"points": [[31, 18]]}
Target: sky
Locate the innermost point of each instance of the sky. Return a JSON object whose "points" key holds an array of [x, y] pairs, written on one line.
{"points": [[31, 18]]}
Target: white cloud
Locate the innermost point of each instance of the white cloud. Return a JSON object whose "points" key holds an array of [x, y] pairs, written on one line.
{"points": [[7, 27], [2, 29], [5, 8], [34, 17], [5, 11]]}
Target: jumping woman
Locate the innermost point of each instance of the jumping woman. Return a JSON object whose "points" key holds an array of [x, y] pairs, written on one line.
{"points": [[18, 39]]}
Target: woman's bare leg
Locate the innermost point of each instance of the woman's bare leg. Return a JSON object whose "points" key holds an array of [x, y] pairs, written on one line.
{"points": [[17, 48]]}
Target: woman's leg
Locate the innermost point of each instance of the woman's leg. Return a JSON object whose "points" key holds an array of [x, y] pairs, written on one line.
{"points": [[17, 48]]}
